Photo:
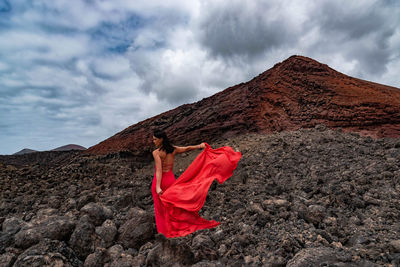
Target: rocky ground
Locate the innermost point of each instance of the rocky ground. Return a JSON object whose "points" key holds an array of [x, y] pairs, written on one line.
{"points": [[313, 197]]}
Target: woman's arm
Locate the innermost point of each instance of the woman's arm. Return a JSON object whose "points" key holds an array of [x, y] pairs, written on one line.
{"points": [[158, 163], [182, 149]]}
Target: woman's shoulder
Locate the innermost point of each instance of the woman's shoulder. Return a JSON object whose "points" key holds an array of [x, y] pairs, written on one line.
{"points": [[160, 152]]}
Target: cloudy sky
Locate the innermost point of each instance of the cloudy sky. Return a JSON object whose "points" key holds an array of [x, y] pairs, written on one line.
{"points": [[79, 71]]}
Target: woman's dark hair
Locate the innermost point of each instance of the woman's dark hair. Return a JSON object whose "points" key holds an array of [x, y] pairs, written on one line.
{"points": [[166, 144]]}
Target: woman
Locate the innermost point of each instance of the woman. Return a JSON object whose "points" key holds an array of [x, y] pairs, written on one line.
{"points": [[177, 202]]}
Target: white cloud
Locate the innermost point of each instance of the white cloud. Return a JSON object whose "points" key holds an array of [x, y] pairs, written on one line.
{"points": [[113, 66]]}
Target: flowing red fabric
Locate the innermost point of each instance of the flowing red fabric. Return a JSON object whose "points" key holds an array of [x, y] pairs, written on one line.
{"points": [[176, 210]]}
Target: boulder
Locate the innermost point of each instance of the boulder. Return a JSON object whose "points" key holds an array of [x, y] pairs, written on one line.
{"points": [[320, 256], [13, 224], [107, 232], [137, 229], [97, 212], [7, 259], [53, 227], [168, 252], [84, 239], [48, 253], [97, 259]]}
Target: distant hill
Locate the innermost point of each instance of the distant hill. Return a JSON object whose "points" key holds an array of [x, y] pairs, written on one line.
{"points": [[61, 148], [25, 151], [69, 147]]}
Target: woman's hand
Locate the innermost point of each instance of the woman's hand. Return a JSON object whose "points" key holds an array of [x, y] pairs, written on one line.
{"points": [[202, 145], [159, 190]]}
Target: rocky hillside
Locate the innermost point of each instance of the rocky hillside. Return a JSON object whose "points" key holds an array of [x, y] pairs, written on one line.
{"points": [[298, 92], [310, 197]]}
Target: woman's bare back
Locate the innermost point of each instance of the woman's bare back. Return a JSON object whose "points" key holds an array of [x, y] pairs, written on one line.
{"points": [[167, 160]]}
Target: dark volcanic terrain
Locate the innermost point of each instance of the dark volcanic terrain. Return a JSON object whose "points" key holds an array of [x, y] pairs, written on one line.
{"points": [[318, 183], [301, 198]]}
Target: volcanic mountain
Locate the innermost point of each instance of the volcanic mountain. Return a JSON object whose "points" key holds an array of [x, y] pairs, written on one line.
{"points": [[69, 147], [296, 93], [25, 151]]}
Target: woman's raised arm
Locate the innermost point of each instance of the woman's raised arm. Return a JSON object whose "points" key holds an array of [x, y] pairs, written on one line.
{"points": [[183, 149]]}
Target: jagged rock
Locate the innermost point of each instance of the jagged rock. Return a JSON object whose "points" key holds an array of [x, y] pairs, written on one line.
{"points": [[118, 257], [206, 263], [319, 257], [107, 232], [12, 224], [313, 214], [275, 203], [48, 253], [358, 239], [115, 251], [97, 259], [53, 227], [202, 241], [203, 248], [395, 245], [6, 240], [7, 259], [26, 238], [169, 253], [97, 212], [127, 260], [137, 229], [84, 239]]}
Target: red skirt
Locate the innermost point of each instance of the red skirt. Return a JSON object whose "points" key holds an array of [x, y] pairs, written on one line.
{"points": [[176, 210]]}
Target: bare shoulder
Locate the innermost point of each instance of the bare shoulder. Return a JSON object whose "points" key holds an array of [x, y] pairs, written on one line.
{"points": [[179, 149], [156, 152]]}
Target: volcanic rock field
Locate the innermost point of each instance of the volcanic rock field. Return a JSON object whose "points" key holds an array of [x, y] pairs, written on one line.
{"points": [[310, 197]]}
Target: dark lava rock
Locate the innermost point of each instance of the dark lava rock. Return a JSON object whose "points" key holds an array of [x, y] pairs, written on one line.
{"points": [[52, 227], [395, 245], [48, 253], [169, 253], [306, 189], [7, 259], [84, 239], [97, 259], [13, 224], [313, 214], [107, 232], [319, 257], [97, 212], [137, 229], [6, 240]]}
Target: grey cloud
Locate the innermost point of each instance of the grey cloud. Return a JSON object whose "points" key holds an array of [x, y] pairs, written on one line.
{"points": [[146, 60], [176, 90], [170, 87], [233, 30], [360, 32], [354, 23]]}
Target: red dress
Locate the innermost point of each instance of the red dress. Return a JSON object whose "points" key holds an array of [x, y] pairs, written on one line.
{"points": [[177, 209]]}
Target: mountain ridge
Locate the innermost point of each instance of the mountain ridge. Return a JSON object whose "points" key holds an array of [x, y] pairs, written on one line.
{"points": [[298, 92], [60, 148]]}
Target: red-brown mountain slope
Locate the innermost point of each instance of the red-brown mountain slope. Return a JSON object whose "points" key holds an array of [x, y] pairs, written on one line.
{"points": [[298, 92]]}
